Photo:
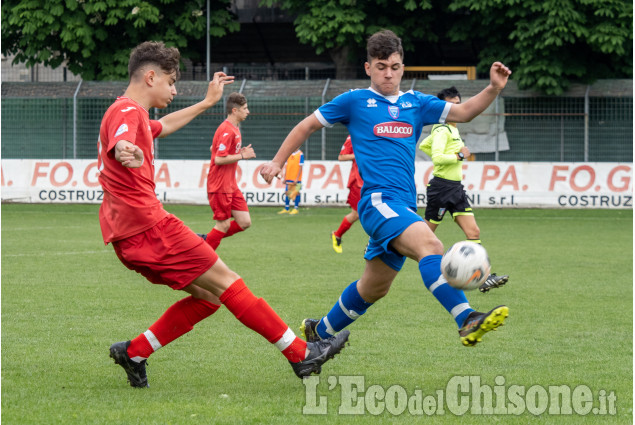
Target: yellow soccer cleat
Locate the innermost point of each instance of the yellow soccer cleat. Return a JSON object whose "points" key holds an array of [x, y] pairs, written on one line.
{"points": [[293, 211], [283, 212], [478, 324], [337, 243]]}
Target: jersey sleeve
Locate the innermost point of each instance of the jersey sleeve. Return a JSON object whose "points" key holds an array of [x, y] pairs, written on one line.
{"points": [[337, 110], [156, 128], [435, 110], [225, 144], [122, 126]]}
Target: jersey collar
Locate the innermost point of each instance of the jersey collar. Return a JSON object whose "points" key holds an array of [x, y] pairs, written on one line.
{"points": [[391, 99]]}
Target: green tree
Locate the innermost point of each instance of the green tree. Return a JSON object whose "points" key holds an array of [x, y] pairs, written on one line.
{"points": [[95, 37], [340, 27], [549, 44]]}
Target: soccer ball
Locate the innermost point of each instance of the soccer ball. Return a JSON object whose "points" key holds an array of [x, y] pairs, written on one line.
{"points": [[465, 265]]}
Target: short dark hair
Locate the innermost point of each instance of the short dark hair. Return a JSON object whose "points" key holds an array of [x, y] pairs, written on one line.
{"points": [[155, 53], [382, 44], [235, 100], [448, 93]]}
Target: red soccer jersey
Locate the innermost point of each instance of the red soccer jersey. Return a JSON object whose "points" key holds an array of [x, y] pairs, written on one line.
{"points": [[354, 179], [130, 205], [227, 141]]}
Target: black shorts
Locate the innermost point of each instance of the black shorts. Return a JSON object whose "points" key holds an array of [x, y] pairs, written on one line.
{"points": [[446, 195]]}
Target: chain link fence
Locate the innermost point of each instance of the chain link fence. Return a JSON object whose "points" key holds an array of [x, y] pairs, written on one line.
{"points": [[588, 123]]}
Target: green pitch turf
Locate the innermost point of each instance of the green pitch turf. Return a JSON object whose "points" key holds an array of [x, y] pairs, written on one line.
{"points": [[66, 298]]}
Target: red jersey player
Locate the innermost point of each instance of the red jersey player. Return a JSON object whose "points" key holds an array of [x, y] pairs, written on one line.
{"points": [[156, 244], [355, 183], [223, 194]]}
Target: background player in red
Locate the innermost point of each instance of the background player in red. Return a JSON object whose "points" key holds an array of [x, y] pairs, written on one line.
{"points": [[156, 244], [223, 194], [355, 183]]}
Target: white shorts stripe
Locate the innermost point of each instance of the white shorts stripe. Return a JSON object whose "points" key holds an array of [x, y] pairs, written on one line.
{"points": [[329, 328], [440, 281], [154, 342], [350, 313], [458, 309], [287, 338], [383, 209]]}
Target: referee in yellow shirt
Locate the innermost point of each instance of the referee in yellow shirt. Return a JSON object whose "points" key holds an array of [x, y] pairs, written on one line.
{"points": [[445, 193]]}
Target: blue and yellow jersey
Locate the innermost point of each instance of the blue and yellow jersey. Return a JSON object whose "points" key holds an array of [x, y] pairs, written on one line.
{"points": [[293, 168]]}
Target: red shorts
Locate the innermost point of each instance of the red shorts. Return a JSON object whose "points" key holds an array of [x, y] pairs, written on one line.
{"points": [[167, 254], [223, 203], [354, 193]]}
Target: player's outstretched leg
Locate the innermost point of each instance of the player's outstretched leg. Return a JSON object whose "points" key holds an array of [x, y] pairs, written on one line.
{"points": [[136, 371], [257, 315], [478, 324], [319, 353], [492, 282], [349, 307]]}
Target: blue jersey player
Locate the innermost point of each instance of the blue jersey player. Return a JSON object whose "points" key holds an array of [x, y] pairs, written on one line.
{"points": [[385, 124]]}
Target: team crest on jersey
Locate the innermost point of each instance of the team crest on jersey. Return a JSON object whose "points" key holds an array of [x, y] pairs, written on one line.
{"points": [[221, 147], [121, 130], [371, 103], [398, 130], [393, 111]]}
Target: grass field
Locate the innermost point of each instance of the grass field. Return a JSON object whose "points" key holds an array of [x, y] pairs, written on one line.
{"points": [[66, 298]]}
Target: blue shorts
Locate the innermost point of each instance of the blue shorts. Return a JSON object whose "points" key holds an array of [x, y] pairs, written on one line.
{"points": [[383, 219]]}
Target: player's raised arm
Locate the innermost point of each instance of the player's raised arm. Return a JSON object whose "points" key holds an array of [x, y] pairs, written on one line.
{"points": [[471, 108], [178, 119], [292, 142]]}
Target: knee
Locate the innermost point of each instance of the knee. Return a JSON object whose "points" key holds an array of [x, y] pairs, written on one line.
{"points": [[436, 246], [222, 226], [473, 233], [244, 223]]}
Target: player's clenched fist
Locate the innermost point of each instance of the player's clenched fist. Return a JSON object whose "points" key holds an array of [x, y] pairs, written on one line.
{"points": [[269, 171]]}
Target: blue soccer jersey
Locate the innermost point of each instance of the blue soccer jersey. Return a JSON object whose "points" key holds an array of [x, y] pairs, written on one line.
{"points": [[384, 131]]}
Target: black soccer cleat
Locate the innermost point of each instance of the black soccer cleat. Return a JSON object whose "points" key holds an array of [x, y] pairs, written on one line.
{"points": [[136, 371], [319, 353], [492, 282], [309, 330], [478, 324]]}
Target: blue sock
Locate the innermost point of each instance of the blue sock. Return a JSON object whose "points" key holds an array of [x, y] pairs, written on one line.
{"points": [[451, 298], [297, 201], [346, 310], [286, 198]]}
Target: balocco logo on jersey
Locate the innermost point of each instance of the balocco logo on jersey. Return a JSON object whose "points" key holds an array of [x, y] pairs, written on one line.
{"points": [[393, 129]]}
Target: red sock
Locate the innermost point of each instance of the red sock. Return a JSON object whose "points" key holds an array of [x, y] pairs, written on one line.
{"points": [[214, 237], [233, 228], [258, 316], [177, 320], [343, 228]]}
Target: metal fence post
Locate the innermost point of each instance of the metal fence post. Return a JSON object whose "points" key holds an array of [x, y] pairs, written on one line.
{"points": [[75, 119], [326, 87], [586, 124], [496, 109]]}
